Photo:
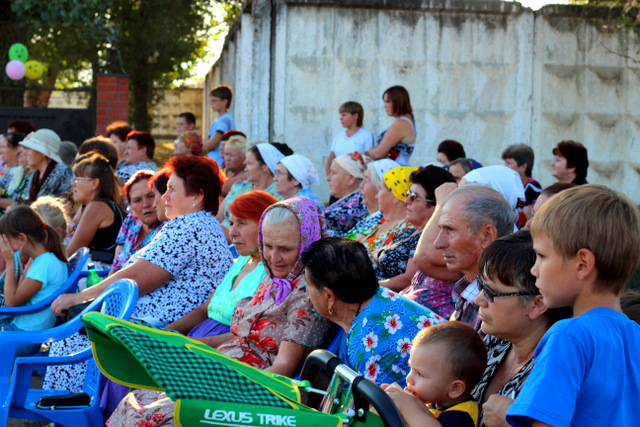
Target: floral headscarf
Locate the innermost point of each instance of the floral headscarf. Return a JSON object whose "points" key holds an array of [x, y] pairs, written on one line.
{"points": [[312, 228]]}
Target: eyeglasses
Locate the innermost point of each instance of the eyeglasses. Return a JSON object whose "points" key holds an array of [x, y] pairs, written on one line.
{"points": [[75, 179], [412, 196], [490, 294], [278, 173]]}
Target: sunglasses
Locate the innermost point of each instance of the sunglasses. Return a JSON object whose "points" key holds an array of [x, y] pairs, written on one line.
{"points": [[411, 196], [490, 294]]}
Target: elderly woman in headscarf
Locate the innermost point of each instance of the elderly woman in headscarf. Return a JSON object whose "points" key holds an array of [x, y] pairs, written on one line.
{"points": [[274, 329], [346, 173], [391, 202], [369, 188], [260, 165], [294, 176]]}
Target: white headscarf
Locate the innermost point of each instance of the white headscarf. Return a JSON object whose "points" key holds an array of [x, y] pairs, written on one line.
{"points": [[379, 168], [502, 179], [353, 167], [301, 169], [270, 155]]}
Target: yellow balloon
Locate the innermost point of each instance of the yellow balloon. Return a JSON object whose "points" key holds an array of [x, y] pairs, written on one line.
{"points": [[34, 69]]}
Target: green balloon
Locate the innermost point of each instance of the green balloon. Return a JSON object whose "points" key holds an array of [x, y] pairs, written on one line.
{"points": [[18, 51]]}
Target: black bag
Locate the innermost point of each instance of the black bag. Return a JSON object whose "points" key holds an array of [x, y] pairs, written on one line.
{"points": [[63, 401], [74, 310]]}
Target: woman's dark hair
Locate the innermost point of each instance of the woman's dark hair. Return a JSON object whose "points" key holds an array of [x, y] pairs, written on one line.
{"points": [[509, 260], [399, 98], [556, 188], [101, 145], [452, 149], [14, 138], [120, 129], [143, 139], [23, 219], [233, 132], [280, 146], [630, 304], [200, 175], [140, 175], [95, 165], [431, 177], [576, 156], [22, 126], [159, 180], [343, 266]]}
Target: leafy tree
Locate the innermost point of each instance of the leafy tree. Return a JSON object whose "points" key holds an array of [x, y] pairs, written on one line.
{"points": [[154, 42]]}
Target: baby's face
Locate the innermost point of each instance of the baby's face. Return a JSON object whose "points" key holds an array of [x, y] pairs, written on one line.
{"points": [[429, 379]]}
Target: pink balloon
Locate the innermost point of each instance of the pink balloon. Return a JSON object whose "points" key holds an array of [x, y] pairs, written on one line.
{"points": [[15, 69]]}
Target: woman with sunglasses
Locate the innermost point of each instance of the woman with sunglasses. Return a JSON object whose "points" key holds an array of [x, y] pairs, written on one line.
{"points": [[393, 262], [514, 317]]}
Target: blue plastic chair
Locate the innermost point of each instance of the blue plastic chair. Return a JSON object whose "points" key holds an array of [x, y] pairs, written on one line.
{"points": [[17, 400], [76, 262]]}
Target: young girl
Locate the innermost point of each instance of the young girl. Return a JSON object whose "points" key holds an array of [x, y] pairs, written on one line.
{"points": [[95, 187], [22, 230]]}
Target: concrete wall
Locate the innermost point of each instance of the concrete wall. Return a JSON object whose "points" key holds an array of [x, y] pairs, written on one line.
{"points": [[486, 73]]}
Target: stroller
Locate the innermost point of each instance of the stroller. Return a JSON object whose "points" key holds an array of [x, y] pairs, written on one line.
{"points": [[212, 389]]}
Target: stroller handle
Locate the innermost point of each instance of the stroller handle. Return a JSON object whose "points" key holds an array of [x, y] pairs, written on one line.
{"points": [[362, 388]]}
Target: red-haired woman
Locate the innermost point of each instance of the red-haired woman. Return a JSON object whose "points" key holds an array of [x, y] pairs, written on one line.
{"points": [[398, 141], [187, 259]]}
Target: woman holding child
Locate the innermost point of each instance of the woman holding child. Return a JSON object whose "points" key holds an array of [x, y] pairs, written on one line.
{"points": [[379, 323]]}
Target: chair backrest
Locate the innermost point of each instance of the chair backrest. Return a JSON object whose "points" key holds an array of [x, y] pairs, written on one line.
{"points": [[76, 262]]}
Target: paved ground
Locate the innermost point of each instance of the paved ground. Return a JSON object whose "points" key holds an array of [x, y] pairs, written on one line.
{"points": [[36, 382]]}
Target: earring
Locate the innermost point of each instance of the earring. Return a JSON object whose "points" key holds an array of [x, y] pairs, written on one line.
{"points": [[194, 204], [330, 312]]}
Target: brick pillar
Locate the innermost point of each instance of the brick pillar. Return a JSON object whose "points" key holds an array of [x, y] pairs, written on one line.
{"points": [[112, 100]]}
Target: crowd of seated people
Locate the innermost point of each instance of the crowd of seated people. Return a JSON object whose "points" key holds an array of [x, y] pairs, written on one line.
{"points": [[428, 275]]}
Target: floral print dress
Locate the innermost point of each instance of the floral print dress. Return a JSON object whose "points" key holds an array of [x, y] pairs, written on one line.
{"points": [[127, 237], [391, 260], [379, 341], [345, 213]]}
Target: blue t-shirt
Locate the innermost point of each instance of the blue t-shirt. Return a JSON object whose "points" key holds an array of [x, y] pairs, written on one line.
{"points": [[222, 124], [52, 273], [586, 373]]}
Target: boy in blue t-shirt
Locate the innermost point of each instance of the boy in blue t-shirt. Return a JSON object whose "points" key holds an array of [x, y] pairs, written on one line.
{"points": [[220, 99], [587, 371]]}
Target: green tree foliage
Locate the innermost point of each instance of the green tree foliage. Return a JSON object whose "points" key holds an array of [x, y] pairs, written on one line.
{"points": [[156, 41]]}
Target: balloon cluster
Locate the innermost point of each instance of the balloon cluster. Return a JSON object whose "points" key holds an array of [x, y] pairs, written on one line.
{"points": [[18, 66]]}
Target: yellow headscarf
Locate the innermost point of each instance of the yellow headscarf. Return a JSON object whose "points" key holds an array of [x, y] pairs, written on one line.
{"points": [[397, 180]]}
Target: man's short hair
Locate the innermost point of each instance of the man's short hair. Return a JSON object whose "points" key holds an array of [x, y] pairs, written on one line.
{"points": [[102, 145], [144, 139], [599, 219], [353, 107], [483, 206], [188, 117], [223, 92], [522, 154], [576, 155], [465, 352]]}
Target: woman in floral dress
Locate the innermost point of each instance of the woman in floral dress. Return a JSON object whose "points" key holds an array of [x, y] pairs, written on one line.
{"points": [[379, 323]]}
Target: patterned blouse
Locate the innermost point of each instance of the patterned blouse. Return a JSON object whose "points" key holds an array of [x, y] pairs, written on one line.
{"points": [[345, 213], [57, 183], [259, 325], [376, 241], [432, 293], [379, 341], [497, 349], [391, 260], [194, 250], [365, 226], [127, 237]]}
